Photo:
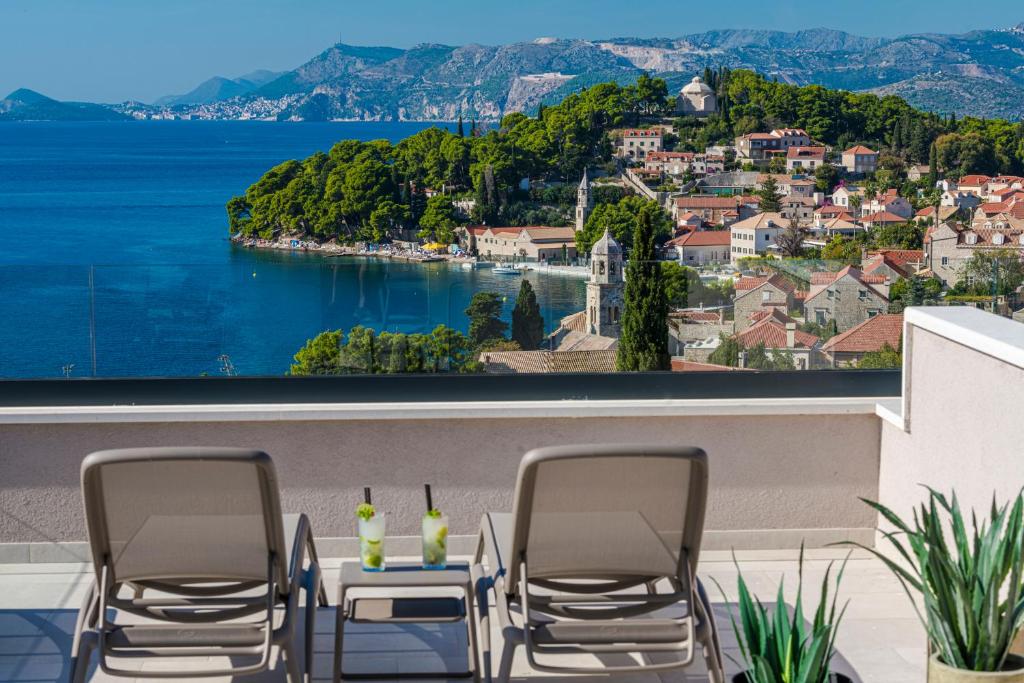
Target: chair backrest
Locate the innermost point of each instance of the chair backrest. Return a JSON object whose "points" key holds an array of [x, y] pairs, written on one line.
{"points": [[184, 513], [608, 511]]}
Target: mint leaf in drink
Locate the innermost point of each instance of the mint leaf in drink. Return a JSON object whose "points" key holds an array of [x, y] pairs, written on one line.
{"points": [[365, 511]]}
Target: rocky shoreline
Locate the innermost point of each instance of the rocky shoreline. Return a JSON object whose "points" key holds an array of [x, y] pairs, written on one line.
{"points": [[332, 248]]}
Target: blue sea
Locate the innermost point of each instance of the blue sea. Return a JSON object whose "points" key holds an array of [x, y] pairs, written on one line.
{"points": [[115, 262]]}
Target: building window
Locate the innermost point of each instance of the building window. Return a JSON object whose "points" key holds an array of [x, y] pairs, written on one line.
{"points": [[945, 260]]}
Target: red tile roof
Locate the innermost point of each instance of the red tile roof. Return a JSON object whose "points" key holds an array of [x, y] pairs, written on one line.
{"points": [[772, 334], [826, 279], [883, 217], [703, 238], [776, 280], [805, 152], [658, 156], [706, 202], [974, 180], [860, 149], [696, 315], [870, 335]]}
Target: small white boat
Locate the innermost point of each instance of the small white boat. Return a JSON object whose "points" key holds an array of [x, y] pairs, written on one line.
{"points": [[507, 270]]}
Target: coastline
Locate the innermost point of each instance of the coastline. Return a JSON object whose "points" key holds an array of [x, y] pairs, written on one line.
{"points": [[332, 249]]}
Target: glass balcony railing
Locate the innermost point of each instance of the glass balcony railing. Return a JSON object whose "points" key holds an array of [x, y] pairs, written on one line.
{"points": [[255, 315]]}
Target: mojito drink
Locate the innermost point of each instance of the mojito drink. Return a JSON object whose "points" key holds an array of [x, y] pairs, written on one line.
{"points": [[435, 542], [371, 543]]}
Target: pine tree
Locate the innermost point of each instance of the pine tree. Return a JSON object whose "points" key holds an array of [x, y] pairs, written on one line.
{"points": [[770, 195], [458, 129], [643, 345], [485, 323], [527, 323]]}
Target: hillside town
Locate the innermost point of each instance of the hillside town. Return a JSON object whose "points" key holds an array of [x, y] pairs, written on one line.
{"points": [[818, 248]]}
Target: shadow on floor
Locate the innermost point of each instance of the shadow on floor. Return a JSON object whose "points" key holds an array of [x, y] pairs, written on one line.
{"points": [[35, 646]]}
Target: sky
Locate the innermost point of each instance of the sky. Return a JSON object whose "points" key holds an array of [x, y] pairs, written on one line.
{"points": [[114, 50]]}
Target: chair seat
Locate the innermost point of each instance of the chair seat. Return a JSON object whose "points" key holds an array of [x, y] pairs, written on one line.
{"points": [[200, 635], [610, 632]]}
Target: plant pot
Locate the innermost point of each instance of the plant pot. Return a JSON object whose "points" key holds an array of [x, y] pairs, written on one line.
{"points": [[833, 678], [1013, 672]]}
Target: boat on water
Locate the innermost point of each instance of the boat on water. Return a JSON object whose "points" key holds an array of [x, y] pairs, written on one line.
{"points": [[507, 270]]}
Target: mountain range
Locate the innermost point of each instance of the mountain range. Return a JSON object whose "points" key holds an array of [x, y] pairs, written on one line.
{"points": [[979, 73]]}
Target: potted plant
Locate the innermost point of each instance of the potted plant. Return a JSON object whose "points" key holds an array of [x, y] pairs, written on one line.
{"points": [[971, 585], [777, 646]]}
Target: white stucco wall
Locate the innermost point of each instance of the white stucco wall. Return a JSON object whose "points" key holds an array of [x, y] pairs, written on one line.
{"points": [[769, 473], [964, 409]]}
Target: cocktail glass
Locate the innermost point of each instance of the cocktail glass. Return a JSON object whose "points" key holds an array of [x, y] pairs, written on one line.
{"points": [[435, 542], [371, 543]]}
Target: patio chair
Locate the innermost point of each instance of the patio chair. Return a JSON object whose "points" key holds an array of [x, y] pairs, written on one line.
{"points": [[601, 545], [190, 545]]}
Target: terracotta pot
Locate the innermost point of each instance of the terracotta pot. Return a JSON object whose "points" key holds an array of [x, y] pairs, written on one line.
{"points": [[833, 678], [1013, 672]]}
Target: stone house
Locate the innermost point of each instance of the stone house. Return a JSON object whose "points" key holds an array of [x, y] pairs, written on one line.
{"points": [[636, 143], [692, 325], [859, 160], [754, 295], [849, 297], [846, 349], [777, 332], [804, 158]]}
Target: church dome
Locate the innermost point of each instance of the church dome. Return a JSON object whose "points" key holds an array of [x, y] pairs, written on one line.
{"points": [[606, 246], [697, 87]]}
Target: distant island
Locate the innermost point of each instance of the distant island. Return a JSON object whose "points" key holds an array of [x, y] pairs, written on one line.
{"points": [[28, 105], [980, 73]]}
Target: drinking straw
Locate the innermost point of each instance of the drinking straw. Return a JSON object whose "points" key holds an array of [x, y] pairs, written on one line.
{"points": [[366, 495], [430, 500]]}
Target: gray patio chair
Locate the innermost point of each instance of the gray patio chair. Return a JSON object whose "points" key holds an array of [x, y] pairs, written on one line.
{"points": [[191, 543], [601, 546]]}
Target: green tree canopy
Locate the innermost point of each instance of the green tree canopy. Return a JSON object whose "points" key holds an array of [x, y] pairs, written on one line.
{"points": [[620, 220], [485, 323]]}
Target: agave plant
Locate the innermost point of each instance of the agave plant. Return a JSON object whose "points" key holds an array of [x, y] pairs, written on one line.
{"points": [[972, 586], [778, 647]]}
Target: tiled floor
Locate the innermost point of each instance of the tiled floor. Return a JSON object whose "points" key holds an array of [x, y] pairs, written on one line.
{"points": [[880, 637]]}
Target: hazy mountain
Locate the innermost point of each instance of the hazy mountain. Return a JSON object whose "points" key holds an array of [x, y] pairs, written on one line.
{"points": [[979, 73], [946, 73], [28, 105], [220, 88]]}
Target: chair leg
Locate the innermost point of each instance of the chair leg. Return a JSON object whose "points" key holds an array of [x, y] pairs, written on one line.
{"points": [[708, 637], [81, 657], [313, 588], [291, 662], [483, 628], [508, 653]]}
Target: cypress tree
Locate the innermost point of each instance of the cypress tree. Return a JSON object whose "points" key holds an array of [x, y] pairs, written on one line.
{"points": [[933, 166], [897, 136], [643, 345], [458, 129], [527, 323]]}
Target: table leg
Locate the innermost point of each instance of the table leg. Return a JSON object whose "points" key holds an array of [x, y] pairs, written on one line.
{"points": [[471, 626], [339, 633]]}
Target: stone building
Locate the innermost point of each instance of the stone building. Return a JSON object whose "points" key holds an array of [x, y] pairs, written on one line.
{"points": [[754, 295], [584, 202], [697, 98], [849, 297], [605, 288]]}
